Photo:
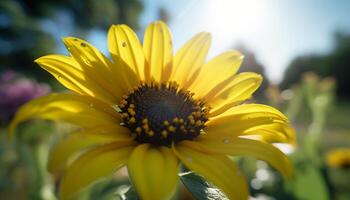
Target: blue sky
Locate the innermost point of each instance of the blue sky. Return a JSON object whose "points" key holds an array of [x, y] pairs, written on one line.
{"points": [[276, 30]]}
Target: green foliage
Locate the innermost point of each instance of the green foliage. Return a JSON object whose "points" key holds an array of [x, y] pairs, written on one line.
{"points": [[23, 159], [309, 182], [112, 190], [200, 188], [311, 103]]}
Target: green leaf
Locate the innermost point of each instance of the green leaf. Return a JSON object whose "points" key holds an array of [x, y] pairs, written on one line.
{"points": [[200, 188], [105, 190], [309, 184], [131, 194]]}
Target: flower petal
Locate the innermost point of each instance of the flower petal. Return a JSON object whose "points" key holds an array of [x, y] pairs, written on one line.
{"points": [[93, 165], [78, 141], [259, 129], [78, 79], [112, 76], [158, 51], [83, 111], [189, 59], [251, 119], [253, 109], [273, 133], [153, 171], [246, 147], [123, 43], [224, 66], [233, 91], [216, 168]]}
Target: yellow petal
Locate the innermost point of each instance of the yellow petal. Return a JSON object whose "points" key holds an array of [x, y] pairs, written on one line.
{"points": [[217, 70], [78, 141], [83, 111], [216, 168], [97, 163], [123, 43], [158, 51], [153, 171], [246, 119], [91, 61], [231, 92], [258, 128], [77, 78], [246, 147], [250, 110], [189, 59], [111, 75], [273, 133]]}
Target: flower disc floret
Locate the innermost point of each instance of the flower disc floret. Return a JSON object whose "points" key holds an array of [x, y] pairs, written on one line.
{"points": [[162, 113]]}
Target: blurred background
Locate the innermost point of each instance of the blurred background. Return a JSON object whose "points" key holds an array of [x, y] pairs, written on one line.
{"points": [[302, 48]]}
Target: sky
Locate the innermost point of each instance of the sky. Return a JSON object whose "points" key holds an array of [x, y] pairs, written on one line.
{"points": [[275, 30]]}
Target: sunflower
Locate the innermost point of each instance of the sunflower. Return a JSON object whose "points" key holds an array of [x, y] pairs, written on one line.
{"points": [[151, 110], [339, 158]]}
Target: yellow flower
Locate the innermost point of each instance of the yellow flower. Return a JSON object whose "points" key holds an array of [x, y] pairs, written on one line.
{"points": [[339, 158], [151, 110]]}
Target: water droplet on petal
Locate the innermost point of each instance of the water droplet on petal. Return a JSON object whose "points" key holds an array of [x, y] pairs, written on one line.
{"points": [[124, 44], [86, 61], [226, 141], [256, 184], [115, 107], [83, 44], [59, 76]]}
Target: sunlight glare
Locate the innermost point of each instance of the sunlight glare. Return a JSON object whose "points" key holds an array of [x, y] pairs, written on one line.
{"points": [[234, 18]]}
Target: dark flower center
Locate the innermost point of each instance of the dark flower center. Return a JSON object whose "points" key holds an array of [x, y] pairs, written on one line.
{"points": [[162, 113], [345, 164]]}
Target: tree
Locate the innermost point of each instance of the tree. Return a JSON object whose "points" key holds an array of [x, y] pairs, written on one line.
{"points": [[299, 66], [335, 64], [25, 32]]}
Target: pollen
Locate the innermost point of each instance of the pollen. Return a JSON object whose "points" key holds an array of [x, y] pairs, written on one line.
{"points": [[162, 114]]}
